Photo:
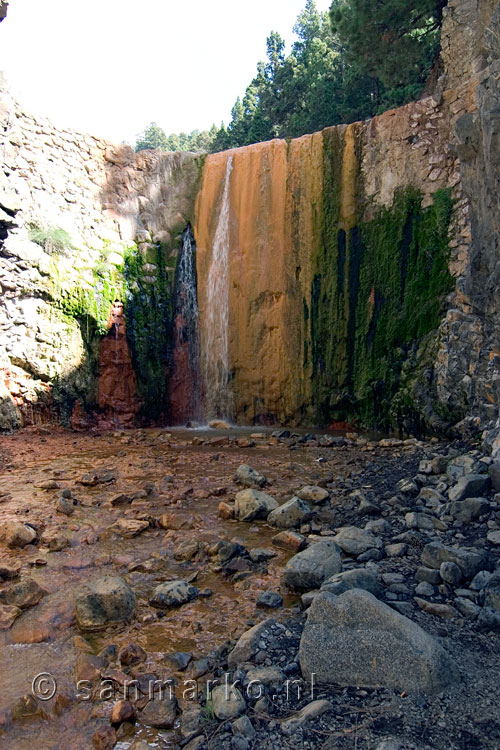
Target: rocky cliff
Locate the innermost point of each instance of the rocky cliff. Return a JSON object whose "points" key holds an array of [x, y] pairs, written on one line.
{"points": [[359, 269]]}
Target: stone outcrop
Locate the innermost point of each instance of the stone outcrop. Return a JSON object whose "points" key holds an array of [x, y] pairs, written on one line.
{"points": [[117, 389], [82, 222]]}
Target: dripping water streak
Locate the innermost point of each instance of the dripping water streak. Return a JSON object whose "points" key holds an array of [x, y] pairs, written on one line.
{"points": [[215, 357]]}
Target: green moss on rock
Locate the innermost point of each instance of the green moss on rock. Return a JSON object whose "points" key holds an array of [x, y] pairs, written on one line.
{"points": [[378, 292]]}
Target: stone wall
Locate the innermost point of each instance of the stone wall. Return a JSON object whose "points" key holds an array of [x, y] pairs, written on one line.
{"points": [[73, 208]]}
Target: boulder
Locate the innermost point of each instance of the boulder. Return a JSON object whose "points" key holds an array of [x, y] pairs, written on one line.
{"points": [[269, 599], [290, 514], [494, 473], [17, 534], [492, 590], [312, 494], [248, 644], [249, 477], [290, 540], [361, 578], [470, 562], [470, 509], [356, 640], [250, 504], [160, 712], [227, 702], [310, 568], [173, 594], [24, 594], [354, 541], [104, 601], [471, 485]]}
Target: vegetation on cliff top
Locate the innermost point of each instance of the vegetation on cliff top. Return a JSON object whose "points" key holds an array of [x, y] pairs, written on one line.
{"points": [[360, 59]]}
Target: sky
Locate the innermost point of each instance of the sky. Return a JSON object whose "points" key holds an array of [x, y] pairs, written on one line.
{"points": [[110, 67]]}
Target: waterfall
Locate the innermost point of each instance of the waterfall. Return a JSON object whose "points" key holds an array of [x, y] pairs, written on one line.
{"points": [[184, 383], [215, 347]]}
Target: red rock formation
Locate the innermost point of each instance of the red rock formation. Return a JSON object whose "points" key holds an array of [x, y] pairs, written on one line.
{"points": [[183, 385], [117, 390]]}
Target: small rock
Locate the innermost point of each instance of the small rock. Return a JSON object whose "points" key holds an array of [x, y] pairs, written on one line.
{"points": [[424, 589], [173, 594], [104, 738], [251, 504], [130, 654], [8, 614], [16, 534], [269, 599], [313, 494], [244, 727], [310, 568], [360, 578], [419, 521], [493, 537], [471, 485], [354, 541], [65, 506], [227, 702], [398, 549], [311, 711], [290, 540], [160, 713], [249, 477], [248, 644], [292, 513], [434, 608], [24, 594], [178, 660], [122, 711], [450, 573]]}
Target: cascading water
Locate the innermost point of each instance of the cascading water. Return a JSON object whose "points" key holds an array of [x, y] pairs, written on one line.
{"points": [[215, 344], [184, 382]]}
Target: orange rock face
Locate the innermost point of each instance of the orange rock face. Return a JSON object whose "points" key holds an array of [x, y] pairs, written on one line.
{"points": [[275, 196], [117, 395]]}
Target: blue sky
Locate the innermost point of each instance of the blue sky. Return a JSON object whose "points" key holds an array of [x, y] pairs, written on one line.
{"points": [[110, 67]]}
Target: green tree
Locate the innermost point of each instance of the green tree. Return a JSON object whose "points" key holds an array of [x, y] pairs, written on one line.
{"points": [[152, 137], [389, 40]]}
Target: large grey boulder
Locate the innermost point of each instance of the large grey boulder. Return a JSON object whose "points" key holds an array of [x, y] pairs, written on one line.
{"points": [[354, 541], [470, 509], [356, 640], [250, 504], [310, 568], [105, 601], [290, 514]]}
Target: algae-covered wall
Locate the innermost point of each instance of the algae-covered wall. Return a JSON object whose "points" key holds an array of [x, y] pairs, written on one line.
{"points": [[82, 222], [343, 246]]}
